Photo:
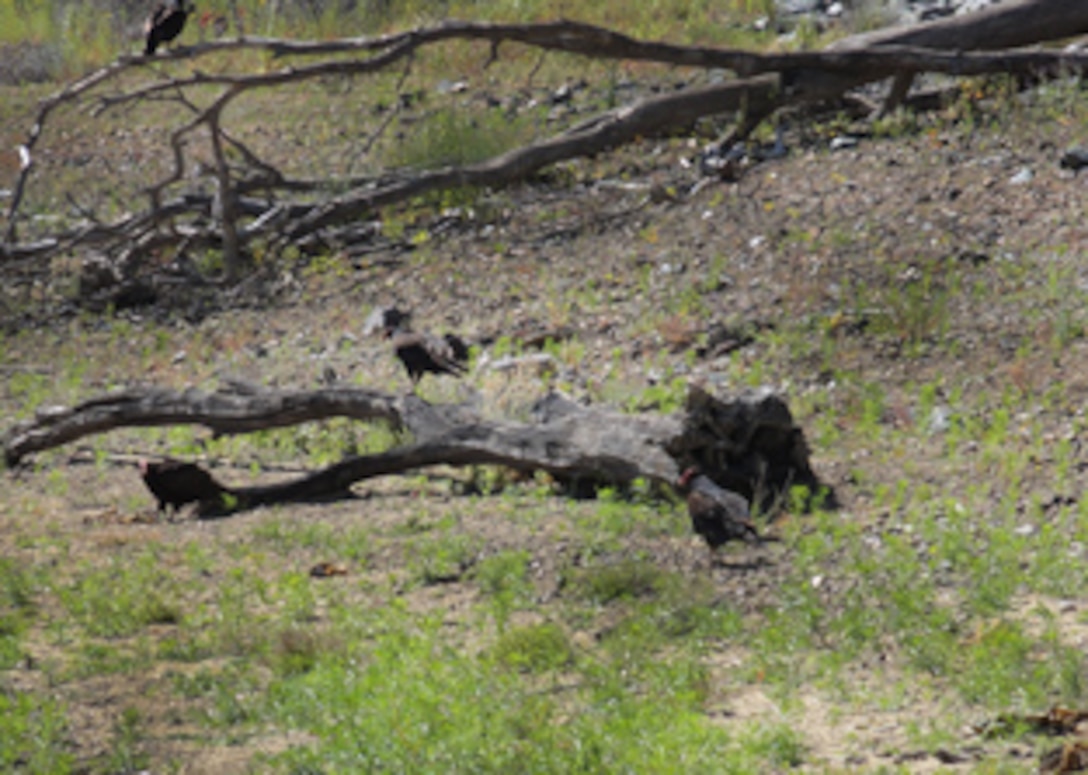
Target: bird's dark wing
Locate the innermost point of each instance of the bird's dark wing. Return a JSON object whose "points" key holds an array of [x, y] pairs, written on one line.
{"points": [[732, 501], [423, 353], [167, 489], [199, 483], [445, 354], [172, 25], [165, 23], [151, 29], [176, 483], [411, 352], [458, 347], [720, 516]]}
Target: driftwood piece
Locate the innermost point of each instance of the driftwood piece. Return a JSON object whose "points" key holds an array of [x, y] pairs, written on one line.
{"points": [[749, 444]]}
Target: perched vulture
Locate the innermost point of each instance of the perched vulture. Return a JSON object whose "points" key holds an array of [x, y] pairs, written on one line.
{"points": [[165, 23], [175, 483], [426, 353], [717, 514]]}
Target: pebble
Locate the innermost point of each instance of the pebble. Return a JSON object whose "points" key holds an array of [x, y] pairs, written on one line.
{"points": [[1025, 175], [446, 86], [938, 419]]}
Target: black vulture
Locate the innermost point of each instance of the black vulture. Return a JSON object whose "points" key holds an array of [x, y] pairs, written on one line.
{"points": [[175, 483], [425, 353], [165, 23], [717, 514]]}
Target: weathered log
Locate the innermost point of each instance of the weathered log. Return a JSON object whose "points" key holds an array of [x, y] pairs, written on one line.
{"points": [[749, 444]]}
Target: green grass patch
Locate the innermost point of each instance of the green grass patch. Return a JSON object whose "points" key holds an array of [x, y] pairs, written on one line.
{"points": [[124, 597], [409, 702], [450, 137], [33, 730], [17, 611], [626, 579], [536, 648]]}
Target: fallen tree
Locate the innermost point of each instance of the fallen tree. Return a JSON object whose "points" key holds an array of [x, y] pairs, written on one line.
{"points": [[749, 444], [253, 200]]}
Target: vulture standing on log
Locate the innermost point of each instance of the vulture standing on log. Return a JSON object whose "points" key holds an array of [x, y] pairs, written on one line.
{"points": [[426, 353], [165, 23], [175, 483], [717, 514]]}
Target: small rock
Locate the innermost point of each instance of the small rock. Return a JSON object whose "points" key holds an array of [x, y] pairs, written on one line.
{"points": [[1074, 159], [562, 95], [797, 6], [938, 419], [1025, 175], [843, 142], [179, 356], [385, 317], [446, 86]]}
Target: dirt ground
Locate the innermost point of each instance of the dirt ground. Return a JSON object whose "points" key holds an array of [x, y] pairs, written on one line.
{"points": [[802, 256]]}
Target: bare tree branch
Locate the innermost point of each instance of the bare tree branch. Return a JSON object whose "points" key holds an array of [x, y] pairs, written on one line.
{"points": [[605, 131], [223, 412], [770, 81], [47, 106]]}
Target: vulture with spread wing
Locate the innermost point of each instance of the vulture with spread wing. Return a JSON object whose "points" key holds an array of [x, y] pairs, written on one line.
{"points": [[429, 354]]}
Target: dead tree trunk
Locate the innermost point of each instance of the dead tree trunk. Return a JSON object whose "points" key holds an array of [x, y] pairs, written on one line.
{"points": [[749, 444]]}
